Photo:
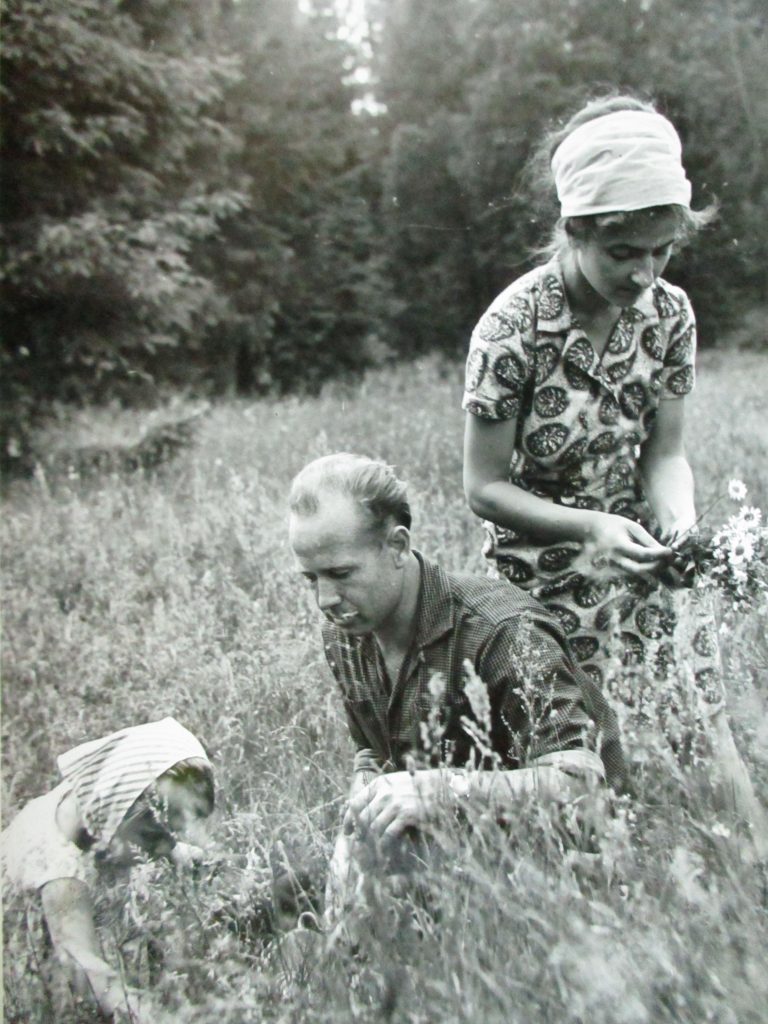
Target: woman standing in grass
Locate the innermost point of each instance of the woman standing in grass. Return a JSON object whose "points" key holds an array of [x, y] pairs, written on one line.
{"points": [[122, 797], [575, 391]]}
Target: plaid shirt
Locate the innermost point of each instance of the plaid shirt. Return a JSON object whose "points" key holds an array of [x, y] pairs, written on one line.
{"points": [[538, 701]]}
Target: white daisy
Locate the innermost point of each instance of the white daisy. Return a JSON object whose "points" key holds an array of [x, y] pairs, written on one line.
{"points": [[737, 490], [750, 516]]}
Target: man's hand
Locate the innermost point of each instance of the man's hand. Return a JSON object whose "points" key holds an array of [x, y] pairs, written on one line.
{"points": [[392, 804]]}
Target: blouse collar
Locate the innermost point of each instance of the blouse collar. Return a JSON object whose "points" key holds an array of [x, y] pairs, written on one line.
{"points": [[554, 314]]}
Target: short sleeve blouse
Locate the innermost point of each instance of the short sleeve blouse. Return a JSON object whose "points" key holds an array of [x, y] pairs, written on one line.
{"points": [[35, 851], [529, 357]]}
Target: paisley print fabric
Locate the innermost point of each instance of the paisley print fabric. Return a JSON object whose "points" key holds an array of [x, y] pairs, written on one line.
{"points": [[582, 418]]}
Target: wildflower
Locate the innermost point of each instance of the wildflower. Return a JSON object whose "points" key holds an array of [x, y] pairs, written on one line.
{"points": [[750, 516], [478, 728], [718, 829], [436, 686], [737, 490], [432, 730], [739, 540], [477, 694], [741, 550], [733, 560]]}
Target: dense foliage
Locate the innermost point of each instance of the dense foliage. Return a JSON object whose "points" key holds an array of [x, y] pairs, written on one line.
{"points": [[182, 202], [192, 196], [106, 121], [470, 87]]}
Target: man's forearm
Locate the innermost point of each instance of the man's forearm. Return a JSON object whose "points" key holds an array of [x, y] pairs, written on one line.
{"points": [[396, 801], [501, 792]]}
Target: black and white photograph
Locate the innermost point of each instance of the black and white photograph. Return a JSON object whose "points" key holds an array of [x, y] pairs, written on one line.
{"points": [[384, 472]]}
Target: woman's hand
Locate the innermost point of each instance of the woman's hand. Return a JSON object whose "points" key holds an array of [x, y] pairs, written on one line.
{"points": [[679, 530], [89, 973], [184, 855], [612, 540], [129, 1006]]}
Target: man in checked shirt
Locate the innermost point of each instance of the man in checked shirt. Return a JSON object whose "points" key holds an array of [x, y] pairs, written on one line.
{"points": [[408, 641]]}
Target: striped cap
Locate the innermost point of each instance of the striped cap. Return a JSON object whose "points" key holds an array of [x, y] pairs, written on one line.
{"points": [[109, 774]]}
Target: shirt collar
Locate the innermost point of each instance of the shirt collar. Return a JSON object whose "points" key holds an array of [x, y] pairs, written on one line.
{"points": [[558, 317], [435, 611], [553, 315]]}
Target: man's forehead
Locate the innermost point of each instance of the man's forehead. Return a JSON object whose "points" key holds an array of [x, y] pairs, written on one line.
{"points": [[338, 531]]}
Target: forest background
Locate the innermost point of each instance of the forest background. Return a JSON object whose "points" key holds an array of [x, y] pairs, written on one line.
{"points": [[251, 197]]}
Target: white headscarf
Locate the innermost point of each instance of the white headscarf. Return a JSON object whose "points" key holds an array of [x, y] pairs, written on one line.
{"points": [[627, 160], [109, 774]]}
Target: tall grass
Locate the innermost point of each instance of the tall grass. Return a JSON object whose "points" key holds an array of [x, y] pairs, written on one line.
{"points": [[131, 598]]}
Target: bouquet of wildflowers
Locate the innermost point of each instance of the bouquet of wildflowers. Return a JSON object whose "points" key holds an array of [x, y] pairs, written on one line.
{"points": [[733, 559]]}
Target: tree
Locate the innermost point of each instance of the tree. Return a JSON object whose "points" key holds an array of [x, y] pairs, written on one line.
{"points": [[106, 111], [470, 87], [300, 264]]}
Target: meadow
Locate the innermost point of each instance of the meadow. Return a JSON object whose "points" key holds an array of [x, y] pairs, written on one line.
{"points": [[127, 598]]}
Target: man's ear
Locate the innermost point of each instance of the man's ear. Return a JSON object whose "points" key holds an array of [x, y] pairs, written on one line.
{"points": [[399, 542]]}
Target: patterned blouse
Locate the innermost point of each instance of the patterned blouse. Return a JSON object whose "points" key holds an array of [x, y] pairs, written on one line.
{"points": [[582, 418]]}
